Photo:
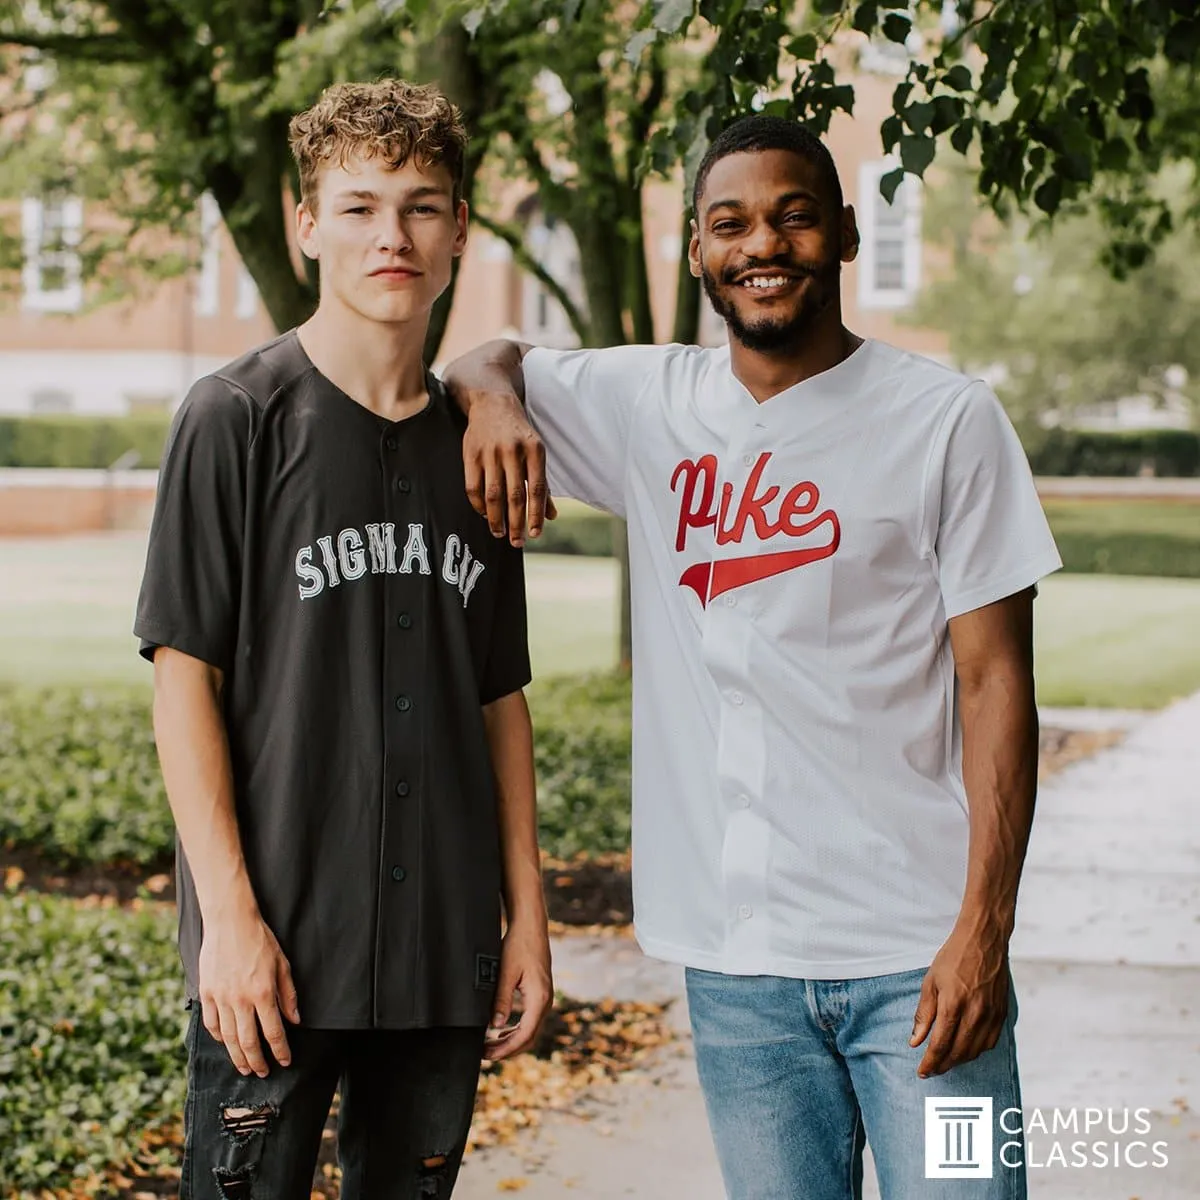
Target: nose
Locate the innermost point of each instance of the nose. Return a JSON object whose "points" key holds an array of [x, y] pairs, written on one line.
{"points": [[763, 241], [392, 234]]}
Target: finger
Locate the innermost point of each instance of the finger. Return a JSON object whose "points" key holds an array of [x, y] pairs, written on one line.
{"points": [[247, 1036], [945, 1027], [925, 1012], [473, 475], [493, 494], [271, 1021], [229, 1036], [289, 1001], [211, 1018], [525, 1032], [518, 497], [535, 473], [551, 508], [502, 1006], [964, 1047]]}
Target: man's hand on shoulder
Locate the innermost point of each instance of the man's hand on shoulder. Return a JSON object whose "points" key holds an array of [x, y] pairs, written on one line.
{"points": [[503, 457], [524, 968], [245, 983]]}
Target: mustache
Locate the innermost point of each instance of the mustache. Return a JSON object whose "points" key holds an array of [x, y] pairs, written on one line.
{"points": [[799, 270]]}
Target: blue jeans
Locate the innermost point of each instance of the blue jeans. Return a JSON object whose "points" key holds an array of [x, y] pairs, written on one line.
{"points": [[798, 1074]]}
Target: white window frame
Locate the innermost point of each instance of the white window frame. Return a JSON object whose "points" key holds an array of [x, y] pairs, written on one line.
{"points": [[39, 258], [870, 205], [554, 246], [246, 304], [206, 296]]}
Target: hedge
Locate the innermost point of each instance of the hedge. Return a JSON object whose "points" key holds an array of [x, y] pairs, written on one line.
{"points": [[81, 783], [81, 442], [91, 1038], [1167, 452]]}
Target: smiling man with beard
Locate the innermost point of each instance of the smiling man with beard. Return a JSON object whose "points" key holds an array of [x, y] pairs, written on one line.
{"points": [[833, 546]]}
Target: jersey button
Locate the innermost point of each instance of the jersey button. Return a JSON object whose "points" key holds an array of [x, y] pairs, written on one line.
{"points": [[404, 621], [403, 485], [398, 874], [403, 703], [391, 443], [738, 698], [402, 788], [744, 910], [743, 801]]}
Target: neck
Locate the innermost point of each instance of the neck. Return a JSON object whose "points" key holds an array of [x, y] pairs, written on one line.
{"points": [[378, 365], [767, 373]]}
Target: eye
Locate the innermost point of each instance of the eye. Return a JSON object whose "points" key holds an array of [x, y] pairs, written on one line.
{"points": [[796, 217], [425, 210], [357, 211], [726, 227]]}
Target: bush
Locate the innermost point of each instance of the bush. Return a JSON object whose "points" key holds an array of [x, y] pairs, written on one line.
{"points": [[91, 1029], [82, 442], [1168, 452], [1127, 537], [80, 778], [576, 530], [81, 782]]}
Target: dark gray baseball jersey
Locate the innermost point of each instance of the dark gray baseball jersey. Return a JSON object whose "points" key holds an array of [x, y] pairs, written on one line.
{"points": [[329, 563]]}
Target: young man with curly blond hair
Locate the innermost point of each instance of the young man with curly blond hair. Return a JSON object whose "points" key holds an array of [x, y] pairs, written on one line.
{"points": [[339, 654]]}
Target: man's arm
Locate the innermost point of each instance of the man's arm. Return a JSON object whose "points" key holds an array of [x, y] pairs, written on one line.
{"points": [[504, 459], [965, 995], [244, 977], [525, 957]]}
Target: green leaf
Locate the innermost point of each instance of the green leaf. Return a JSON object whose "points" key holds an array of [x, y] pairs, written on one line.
{"points": [[918, 116], [1049, 195], [960, 139], [804, 48], [889, 184], [958, 78], [890, 132], [916, 153], [947, 112], [897, 27], [866, 16]]}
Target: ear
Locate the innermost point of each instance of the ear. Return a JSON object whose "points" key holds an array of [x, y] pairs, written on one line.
{"points": [[461, 228], [850, 238], [694, 261], [307, 237]]}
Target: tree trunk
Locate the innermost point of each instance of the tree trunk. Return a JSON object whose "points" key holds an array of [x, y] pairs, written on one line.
{"points": [[686, 328]]}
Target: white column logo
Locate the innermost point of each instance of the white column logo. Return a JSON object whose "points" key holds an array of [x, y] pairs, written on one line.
{"points": [[958, 1137]]}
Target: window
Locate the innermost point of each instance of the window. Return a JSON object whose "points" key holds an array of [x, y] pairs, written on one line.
{"points": [[889, 264], [246, 305], [207, 295], [542, 318], [52, 277]]}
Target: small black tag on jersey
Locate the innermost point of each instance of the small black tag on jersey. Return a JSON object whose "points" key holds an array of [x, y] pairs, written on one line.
{"points": [[487, 971]]}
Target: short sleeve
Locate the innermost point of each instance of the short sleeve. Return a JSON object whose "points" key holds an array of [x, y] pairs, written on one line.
{"points": [[507, 669], [191, 587], [992, 538], [582, 404]]}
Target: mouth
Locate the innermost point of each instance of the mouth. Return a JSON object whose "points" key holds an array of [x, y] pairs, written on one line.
{"points": [[396, 274], [765, 283]]}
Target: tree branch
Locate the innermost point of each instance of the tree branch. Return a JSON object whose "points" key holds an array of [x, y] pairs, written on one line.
{"points": [[526, 261], [92, 47]]}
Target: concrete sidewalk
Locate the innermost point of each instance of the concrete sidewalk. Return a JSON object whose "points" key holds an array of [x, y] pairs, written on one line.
{"points": [[1107, 963]]}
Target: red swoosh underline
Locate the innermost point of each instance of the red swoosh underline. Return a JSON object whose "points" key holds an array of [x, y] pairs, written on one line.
{"points": [[711, 579]]}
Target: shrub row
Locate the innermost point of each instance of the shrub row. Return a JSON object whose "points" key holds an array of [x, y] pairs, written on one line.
{"points": [[1166, 452], [91, 1039], [81, 442], [1129, 553], [81, 784]]}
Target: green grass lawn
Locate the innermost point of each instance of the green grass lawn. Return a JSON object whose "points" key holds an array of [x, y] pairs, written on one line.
{"points": [[66, 607]]}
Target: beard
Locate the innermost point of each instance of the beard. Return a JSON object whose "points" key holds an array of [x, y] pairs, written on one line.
{"points": [[767, 334]]}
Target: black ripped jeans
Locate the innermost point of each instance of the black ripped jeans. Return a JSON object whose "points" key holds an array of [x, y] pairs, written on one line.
{"points": [[406, 1103]]}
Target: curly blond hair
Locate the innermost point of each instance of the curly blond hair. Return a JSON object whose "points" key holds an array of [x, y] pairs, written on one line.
{"points": [[391, 119]]}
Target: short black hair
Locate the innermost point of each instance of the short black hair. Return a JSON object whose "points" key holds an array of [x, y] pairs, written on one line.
{"points": [[762, 132]]}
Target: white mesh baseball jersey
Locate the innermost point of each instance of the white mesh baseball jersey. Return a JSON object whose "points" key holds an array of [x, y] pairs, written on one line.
{"points": [[798, 806]]}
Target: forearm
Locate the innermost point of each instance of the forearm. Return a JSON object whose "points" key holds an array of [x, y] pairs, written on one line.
{"points": [[490, 369], [193, 749], [1000, 759], [510, 740]]}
